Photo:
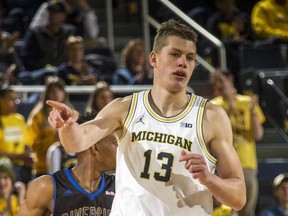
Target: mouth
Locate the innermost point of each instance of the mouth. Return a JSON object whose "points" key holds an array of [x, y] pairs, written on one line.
{"points": [[180, 74]]}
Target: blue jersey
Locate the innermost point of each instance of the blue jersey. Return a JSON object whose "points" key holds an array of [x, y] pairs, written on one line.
{"points": [[71, 199]]}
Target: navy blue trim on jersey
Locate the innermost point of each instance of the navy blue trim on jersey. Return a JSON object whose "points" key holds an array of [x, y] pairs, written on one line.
{"points": [[79, 188]]}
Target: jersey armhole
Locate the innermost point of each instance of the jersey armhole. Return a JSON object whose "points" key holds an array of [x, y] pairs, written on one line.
{"points": [[200, 134], [130, 114]]}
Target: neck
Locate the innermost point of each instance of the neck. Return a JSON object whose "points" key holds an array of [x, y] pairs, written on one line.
{"points": [[87, 175], [168, 104], [87, 182]]}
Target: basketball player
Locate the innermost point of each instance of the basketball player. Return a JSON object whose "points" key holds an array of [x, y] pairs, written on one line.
{"points": [[82, 190], [170, 142]]}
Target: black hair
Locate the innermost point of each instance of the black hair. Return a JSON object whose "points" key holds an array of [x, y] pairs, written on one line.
{"points": [[86, 117]]}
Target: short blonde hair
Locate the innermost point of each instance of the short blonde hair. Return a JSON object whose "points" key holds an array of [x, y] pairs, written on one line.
{"points": [[74, 40]]}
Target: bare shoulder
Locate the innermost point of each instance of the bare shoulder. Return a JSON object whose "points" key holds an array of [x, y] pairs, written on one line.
{"points": [[217, 128], [124, 101], [39, 197], [216, 115], [42, 185], [118, 108]]}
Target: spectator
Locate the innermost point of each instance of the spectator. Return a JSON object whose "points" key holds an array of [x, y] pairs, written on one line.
{"points": [[44, 45], [18, 13], [230, 26], [228, 23], [280, 187], [75, 71], [85, 188], [246, 119], [8, 56], [41, 133], [100, 97], [79, 14], [57, 158], [134, 67], [270, 20], [9, 202], [14, 136]]}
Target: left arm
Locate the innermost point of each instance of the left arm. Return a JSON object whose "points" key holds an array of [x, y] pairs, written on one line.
{"points": [[228, 187], [256, 123]]}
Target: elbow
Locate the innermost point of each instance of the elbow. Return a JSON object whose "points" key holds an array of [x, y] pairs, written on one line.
{"points": [[241, 203], [240, 197]]}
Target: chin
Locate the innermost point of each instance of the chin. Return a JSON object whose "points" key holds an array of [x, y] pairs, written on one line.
{"points": [[179, 86]]}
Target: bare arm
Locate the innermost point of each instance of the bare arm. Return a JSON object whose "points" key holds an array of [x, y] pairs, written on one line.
{"points": [[75, 137], [20, 187], [228, 187], [256, 125], [39, 197]]}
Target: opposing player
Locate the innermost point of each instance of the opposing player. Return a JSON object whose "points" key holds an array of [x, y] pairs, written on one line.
{"points": [[83, 190], [170, 141]]}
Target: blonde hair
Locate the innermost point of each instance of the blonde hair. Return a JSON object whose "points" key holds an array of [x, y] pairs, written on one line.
{"points": [[99, 87], [172, 28], [41, 106], [73, 41], [126, 54]]}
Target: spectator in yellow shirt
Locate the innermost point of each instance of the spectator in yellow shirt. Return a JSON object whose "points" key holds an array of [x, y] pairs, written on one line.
{"points": [[42, 134], [246, 119], [9, 202], [15, 142], [269, 19]]}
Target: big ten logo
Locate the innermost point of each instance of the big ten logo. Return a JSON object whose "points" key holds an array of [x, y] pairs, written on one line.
{"points": [[187, 125]]}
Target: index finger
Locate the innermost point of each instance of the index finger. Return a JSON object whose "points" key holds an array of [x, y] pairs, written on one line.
{"points": [[186, 156], [54, 104]]}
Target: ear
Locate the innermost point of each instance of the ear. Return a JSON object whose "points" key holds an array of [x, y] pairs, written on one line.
{"points": [[94, 149], [152, 59]]}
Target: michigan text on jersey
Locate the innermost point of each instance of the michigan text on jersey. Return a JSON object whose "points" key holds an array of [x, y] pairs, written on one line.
{"points": [[162, 138]]}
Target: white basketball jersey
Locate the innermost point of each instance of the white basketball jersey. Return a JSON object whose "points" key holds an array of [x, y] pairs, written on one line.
{"points": [[150, 180]]}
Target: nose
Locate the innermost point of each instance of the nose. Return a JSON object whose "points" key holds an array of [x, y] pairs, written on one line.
{"points": [[182, 61]]}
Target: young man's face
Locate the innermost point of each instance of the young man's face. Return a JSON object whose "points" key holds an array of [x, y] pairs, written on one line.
{"points": [[174, 64]]}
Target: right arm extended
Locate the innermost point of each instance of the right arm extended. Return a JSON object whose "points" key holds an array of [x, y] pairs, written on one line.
{"points": [[75, 137]]}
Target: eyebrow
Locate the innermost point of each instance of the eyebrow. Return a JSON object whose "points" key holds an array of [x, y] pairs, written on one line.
{"points": [[178, 50]]}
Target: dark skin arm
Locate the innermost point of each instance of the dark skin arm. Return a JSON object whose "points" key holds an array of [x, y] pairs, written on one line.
{"points": [[39, 198]]}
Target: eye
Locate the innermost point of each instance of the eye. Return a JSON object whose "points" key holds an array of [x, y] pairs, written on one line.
{"points": [[174, 54], [190, 58]]}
